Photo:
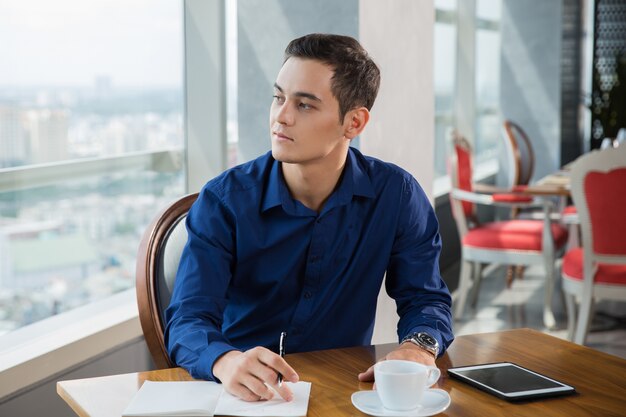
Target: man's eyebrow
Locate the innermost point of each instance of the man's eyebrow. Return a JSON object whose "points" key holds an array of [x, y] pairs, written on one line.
{"points": [[300, 94]]}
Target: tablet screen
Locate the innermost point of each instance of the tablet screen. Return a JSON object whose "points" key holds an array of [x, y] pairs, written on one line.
{"points": [[509, 379]]}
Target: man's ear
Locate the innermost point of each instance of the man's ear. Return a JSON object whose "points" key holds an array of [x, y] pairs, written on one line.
{"points": [[355, 121]]}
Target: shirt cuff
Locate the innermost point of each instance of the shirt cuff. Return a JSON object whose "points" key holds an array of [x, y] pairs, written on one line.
{"points": [[204, 366]]}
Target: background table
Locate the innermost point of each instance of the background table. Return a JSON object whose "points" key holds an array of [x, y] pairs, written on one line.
{"points": [[599, 378]]}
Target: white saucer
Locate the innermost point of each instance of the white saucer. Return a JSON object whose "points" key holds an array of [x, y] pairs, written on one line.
{"points": [[434, 401]]}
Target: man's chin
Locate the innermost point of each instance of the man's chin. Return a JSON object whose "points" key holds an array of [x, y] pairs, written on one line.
{"points": [[282, 157]]}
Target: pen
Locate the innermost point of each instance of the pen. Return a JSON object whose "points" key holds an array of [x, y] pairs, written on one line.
{"points": [[281, 352]]}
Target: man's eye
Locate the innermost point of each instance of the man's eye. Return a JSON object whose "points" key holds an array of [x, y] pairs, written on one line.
{"points": [[305, 106], [278, 99]]}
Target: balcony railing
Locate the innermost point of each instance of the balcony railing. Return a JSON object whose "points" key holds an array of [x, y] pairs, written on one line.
{"points": [[30, 176]]}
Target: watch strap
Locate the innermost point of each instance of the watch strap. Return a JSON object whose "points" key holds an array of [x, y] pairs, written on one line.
{"points": [[425, 341]]}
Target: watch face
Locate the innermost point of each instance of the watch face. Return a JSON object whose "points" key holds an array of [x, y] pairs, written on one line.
{"points": [[427, 339]]}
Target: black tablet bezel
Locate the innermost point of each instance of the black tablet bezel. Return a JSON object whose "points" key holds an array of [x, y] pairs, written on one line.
{"points": [[563, 389]]}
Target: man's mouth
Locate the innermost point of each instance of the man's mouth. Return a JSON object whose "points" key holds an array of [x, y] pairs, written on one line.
{"points": [[281, 136]]}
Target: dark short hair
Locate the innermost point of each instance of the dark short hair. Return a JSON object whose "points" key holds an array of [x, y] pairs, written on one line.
{"points": [[356, 77]]}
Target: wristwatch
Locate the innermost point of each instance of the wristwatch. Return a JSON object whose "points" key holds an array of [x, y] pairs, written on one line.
{"points": [[425, 341]]}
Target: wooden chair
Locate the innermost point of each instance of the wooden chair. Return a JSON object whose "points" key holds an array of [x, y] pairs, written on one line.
{"points": [[597, 270], [157, 262], [515, 242], [519, 153]]}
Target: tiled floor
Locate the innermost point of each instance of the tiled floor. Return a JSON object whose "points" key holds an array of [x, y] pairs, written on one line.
{"points": [[501, 308]]}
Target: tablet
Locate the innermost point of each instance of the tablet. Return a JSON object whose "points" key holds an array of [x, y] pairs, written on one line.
{"points": [[510, 381]]}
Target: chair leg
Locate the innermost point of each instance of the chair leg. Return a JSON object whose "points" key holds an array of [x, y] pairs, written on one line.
{"points": [[570, 305], [573, 240], [465, 282], [477, 275], [584, 320], [510, 275], [548, 315]]}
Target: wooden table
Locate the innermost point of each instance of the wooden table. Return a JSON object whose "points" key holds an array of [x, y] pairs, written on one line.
{"points": [[599, 378], [555, 184]]}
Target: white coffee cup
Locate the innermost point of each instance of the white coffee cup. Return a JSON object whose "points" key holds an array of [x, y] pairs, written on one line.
{"points": [[401, 384]]}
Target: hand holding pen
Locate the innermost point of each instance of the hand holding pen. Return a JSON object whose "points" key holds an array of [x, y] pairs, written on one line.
{"points": [[255, 374]]}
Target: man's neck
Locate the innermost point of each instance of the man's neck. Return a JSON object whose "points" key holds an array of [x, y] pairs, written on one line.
{"points": [[313, 183]]}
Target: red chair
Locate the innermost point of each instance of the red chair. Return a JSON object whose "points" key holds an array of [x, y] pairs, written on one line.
{"points": [[513, 242], [520, 158], [597, 270]]}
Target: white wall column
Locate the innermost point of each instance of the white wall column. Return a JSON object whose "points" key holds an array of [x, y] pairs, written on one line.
{"points": [[530, 92], [399, 36]]}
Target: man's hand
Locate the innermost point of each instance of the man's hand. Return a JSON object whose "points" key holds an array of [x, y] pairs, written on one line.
{"points": [[249, 375], [406, 351]]}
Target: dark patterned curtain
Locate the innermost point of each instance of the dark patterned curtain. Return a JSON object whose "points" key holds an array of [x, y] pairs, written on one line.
{"points": [[608, 99]]}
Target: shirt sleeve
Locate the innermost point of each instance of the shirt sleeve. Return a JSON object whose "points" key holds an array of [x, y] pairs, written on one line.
{"points": [[413, 278], [193, 334]]}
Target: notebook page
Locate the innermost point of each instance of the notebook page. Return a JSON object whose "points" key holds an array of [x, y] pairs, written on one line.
{"points": [[229, 405], [174, 398]]}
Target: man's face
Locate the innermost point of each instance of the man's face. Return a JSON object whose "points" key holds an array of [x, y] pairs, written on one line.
{"points": [[304, 116]]}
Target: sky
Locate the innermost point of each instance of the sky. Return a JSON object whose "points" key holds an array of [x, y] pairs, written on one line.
{"points": [[137, 43]]}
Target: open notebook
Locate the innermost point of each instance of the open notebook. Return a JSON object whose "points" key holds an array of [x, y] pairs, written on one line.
{"points": [[203, 398]]}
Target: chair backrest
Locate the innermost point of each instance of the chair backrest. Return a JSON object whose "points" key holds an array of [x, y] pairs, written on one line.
{"points": [[157, 262], [519, 153], [460, 170], [598, 184]]}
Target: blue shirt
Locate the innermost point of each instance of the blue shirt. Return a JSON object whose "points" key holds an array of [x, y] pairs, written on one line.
{"points": [[257, 262]]}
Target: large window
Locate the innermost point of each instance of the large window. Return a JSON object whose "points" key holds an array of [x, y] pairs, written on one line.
{"points": [[467, 78], [445, 77], [487, 130], [91, 139]]}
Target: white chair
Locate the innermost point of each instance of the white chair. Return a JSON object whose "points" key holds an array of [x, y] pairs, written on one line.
{"points": [[597, 270], [513, 242]]}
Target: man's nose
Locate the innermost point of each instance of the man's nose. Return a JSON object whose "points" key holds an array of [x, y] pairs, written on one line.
{"points": [[284, 114]]}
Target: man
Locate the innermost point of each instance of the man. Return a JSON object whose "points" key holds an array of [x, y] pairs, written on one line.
{"points": [[299, 239]]}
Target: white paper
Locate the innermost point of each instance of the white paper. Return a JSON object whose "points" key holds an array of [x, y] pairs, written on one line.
{"points": [[174, 398], [229, 405]]}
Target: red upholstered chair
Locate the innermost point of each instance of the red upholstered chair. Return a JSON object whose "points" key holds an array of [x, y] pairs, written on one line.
{"points": [[520, 158], [515, 242], [597, 270]]}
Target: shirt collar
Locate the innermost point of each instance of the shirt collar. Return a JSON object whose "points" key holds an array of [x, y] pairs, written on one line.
{"points": [[362, 184], [354, 181], [275, 184]]}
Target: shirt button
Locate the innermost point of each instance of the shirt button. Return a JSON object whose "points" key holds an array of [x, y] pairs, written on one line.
{"points": [[308, 295]]}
